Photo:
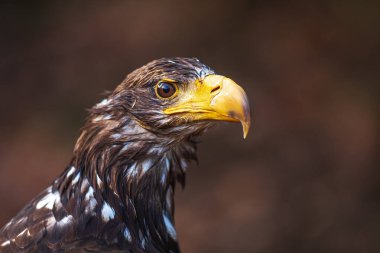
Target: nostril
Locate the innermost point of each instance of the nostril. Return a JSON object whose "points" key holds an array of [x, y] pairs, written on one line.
{"points": [[215, 89]]}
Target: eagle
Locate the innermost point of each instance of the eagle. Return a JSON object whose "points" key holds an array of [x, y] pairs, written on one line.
{"points": [[116, 194]]}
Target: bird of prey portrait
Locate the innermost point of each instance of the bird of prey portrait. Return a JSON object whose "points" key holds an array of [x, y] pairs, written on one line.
{"points": [[116, 194]]}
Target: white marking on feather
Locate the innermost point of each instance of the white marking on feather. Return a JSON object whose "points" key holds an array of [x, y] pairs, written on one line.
{"points": [[7, 225], [98, 118], [66, 220], [22, 232], [142, 238], [91, 205], [132, 171], [133, 129], [143, 243], [104, 102], [165, 171], [5, 243], [125, 147], [26, 230], [101, 117], [76, 179], [48, 200], [134, 102], [157, 150], [167, 163], [146, 165], [107, 212], [169, 198], [71, 171], [99, 181], [90, 193], [91, 200], [163, 177], [127, 234], [169, 227], [116, 136], [21, 220]]}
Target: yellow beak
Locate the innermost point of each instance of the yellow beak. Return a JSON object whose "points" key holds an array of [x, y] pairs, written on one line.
{"points": [[214, 98]]}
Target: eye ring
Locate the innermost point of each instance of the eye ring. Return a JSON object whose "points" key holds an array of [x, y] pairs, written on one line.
{"points": [[166, 90]]}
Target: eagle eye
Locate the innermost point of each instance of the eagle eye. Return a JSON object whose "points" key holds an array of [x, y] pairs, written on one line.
{"points": [[166, 89]]}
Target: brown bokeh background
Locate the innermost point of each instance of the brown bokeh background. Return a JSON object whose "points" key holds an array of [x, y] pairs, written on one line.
{"points": [[305, 180]]}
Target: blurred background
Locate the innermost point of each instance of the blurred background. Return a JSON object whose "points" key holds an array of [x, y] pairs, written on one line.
{"points": [[307, 177]]}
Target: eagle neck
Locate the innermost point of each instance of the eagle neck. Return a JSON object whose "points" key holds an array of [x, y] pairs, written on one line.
{"points": [[133, 173]]}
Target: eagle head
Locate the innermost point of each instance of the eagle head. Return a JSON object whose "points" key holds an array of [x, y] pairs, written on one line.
{"points": [[177, 97]]}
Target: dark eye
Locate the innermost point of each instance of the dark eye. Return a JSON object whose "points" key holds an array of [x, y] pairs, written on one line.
{"points": [[166, 90]]}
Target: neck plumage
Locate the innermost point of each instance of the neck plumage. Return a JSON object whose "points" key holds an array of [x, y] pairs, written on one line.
{"points": [[125, 178]]}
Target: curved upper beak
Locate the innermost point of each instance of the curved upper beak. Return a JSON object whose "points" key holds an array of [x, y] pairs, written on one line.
{"points": [[214, 98]]}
